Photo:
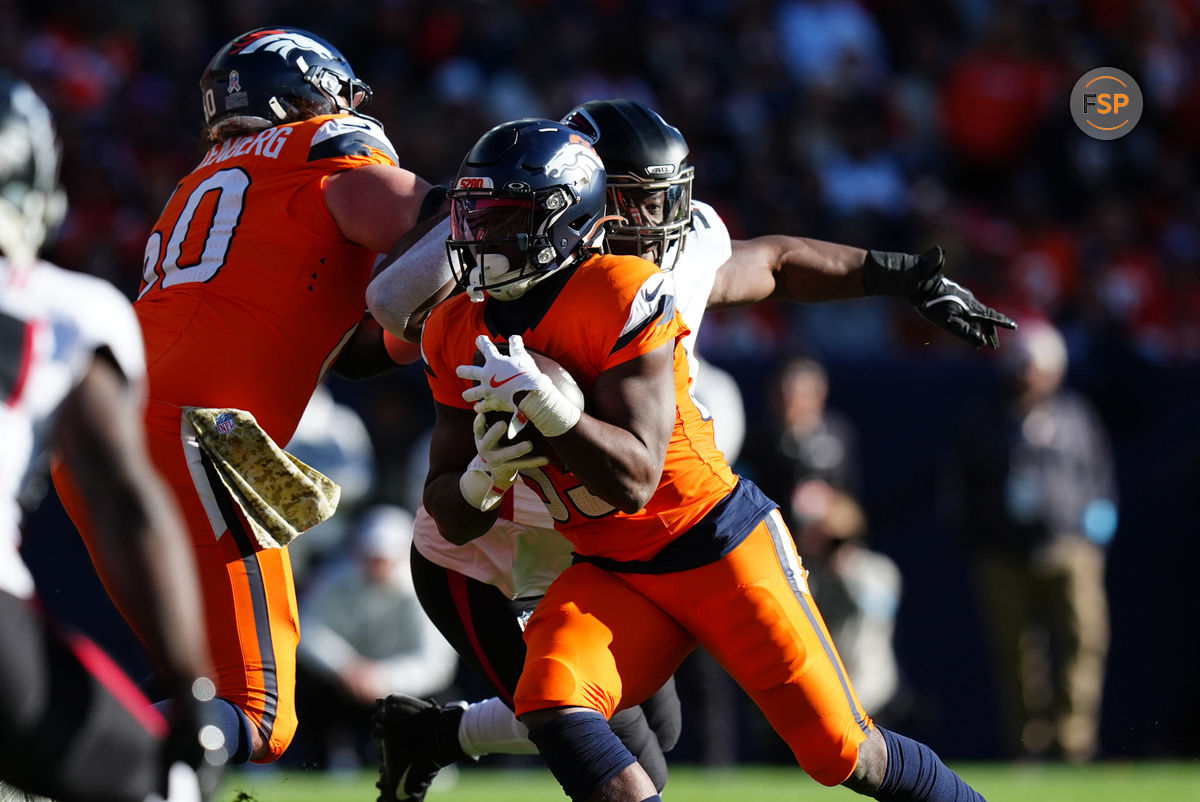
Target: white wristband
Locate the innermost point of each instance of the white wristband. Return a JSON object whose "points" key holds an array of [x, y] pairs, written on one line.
{"points": [[551, 412], [480, 488]]}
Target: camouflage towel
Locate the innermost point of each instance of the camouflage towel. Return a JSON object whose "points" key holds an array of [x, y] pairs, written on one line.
{"points": [[280, 495]]}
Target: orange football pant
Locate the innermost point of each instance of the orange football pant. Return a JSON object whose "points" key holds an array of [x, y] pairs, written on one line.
{"points": [[249, 595], [606, 641]]}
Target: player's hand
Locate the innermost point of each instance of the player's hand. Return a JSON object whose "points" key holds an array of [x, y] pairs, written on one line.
{"points": [[942, 301], [494, 469], [503, 376]]}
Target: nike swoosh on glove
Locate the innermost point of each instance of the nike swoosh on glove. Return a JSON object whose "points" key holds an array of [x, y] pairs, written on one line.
{"points": [[502, 376]]}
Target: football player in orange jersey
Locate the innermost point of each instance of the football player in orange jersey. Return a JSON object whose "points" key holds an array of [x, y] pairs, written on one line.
{"points": [[475, 592], [73, 725], [253, 288], [673, 550]]}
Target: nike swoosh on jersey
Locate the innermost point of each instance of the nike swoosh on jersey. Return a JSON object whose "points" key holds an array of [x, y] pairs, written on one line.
{"points": [[495, 383]]}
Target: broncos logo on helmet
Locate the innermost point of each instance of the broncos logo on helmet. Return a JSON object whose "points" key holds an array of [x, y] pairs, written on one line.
{"points": [[574, 161], [282, 43]]}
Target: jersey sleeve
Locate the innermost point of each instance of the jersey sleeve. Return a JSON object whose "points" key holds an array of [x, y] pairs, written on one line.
{"points": [[651, 317], [352, 140]]}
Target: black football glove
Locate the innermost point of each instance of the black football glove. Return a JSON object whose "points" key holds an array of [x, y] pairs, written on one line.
{"points": [[944, 303]]}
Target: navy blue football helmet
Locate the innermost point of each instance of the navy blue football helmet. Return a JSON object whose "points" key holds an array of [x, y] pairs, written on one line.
{"points": [[528, 201], [31, 203], [649, 179], [270, 76]]}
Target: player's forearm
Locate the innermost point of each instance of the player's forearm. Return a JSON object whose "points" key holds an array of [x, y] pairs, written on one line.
{"points": [[610, 462], [789, 269], [411, 280], [365, 355], [457, 521], [815, 271]]}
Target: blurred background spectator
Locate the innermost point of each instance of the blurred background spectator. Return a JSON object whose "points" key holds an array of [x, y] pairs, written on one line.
{"points": [[803, 442], [364, 636], [865, 121], [1031, 487]]}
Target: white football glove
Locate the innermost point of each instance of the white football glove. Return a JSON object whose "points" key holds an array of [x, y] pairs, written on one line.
{"points": [[504, 375], [494, 469]]}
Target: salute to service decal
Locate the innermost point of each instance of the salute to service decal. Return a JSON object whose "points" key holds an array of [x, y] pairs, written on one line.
{"points": [[1106, 103]]}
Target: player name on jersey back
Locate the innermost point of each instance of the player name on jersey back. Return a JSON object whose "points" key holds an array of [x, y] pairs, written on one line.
{"points": [[268, 144]]}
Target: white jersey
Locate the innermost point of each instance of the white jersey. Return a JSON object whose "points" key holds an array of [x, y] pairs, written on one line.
{"points": [[522, 554], [52, 322]]}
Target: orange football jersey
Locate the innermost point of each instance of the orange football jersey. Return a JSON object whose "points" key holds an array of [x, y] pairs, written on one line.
{"points": [[249, 288], [612, 309]]}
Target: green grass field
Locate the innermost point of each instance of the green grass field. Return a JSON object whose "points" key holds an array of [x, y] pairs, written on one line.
{"points": [[1108, 782]]}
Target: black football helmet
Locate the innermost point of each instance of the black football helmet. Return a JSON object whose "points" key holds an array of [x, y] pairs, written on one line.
{"points": [[31, 203], [528, 201], [270, 76], [649, 179]]}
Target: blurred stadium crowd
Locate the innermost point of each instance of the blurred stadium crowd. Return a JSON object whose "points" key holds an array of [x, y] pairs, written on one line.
{"points": [[879, 123]]}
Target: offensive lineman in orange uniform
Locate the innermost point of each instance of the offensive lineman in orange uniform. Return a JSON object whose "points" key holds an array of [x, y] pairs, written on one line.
{"points": [[673, 550], [254, 286]]}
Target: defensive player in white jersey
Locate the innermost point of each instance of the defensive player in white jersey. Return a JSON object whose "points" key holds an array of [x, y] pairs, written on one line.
{"points": [[73, 726], [476, 593]]}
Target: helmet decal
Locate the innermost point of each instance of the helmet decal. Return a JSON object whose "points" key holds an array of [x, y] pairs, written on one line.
{"points": [[283, 43], [576, 160]]}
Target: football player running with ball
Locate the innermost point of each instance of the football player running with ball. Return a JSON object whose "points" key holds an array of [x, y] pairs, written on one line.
{"points": [[672, 549], [477, 591]]}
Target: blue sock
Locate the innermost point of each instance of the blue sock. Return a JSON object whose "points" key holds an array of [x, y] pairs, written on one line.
{"points": [[916, 774], [581, 752], [232, 723]]}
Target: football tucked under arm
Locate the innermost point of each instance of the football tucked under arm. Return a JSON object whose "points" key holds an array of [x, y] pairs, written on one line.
{"points": [[519, 428]]}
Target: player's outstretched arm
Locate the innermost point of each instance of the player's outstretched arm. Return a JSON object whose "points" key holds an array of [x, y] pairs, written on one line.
{"points": [[787, 269], [813, 271], [141, 546]]}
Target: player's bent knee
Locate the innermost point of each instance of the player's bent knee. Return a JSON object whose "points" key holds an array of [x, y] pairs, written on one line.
{"points": [[580, 750]]}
